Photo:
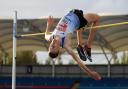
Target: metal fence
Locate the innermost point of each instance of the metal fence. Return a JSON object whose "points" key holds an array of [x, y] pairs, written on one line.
{"points": [[64, 70]]}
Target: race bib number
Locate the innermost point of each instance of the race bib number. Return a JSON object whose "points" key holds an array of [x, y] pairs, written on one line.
{"points": [[62, 26]]}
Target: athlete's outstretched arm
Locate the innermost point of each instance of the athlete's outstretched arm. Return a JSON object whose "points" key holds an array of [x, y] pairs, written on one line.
{"points": [[91, 73], [47, 31]]}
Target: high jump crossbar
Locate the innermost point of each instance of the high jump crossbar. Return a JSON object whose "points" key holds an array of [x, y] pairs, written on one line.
{"points": [[100, 26], [108, 25]]}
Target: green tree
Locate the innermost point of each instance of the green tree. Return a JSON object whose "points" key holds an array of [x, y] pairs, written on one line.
{"points": [[124, 58], [24, 58]]}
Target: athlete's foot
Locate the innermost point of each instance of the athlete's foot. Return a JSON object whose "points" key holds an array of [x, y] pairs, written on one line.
{"points": [[81, 52], [87, 52]]}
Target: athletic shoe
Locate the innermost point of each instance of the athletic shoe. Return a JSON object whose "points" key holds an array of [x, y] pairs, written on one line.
{"points": [[87, 52], [81, 52]]}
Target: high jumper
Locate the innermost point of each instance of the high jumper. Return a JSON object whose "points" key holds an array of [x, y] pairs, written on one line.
{"points": [[74, 20]]}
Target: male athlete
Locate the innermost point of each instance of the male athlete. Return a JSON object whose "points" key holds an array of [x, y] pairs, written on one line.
{"points": [[61, 36]]}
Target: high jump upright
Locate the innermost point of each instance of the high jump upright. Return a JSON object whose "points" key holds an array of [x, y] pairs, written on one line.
{"points": [[14, 51]]}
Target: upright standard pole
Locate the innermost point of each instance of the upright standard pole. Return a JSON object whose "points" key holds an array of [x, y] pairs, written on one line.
{"points": [[14, 51]]}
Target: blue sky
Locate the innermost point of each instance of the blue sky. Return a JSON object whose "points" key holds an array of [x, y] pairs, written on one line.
{"points": [[57, 8]]}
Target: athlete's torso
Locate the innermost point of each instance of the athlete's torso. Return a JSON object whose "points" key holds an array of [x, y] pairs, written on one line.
{"points": [[68, 24]]}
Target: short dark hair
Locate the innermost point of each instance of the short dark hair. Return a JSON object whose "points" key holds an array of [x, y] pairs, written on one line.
{"points": [[53, 55]]}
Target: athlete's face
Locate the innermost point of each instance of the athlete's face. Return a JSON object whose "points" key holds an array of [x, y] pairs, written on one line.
{"points": [[54, 46]]}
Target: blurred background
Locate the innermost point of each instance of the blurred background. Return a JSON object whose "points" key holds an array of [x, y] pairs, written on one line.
{"points": [[35, 70]]}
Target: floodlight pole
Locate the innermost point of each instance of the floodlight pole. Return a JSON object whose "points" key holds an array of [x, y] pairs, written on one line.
{"points": [[14, 51], [53, 68], [109, 63]]}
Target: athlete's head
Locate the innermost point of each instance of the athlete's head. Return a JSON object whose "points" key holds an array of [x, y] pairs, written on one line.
{"points": [[54, 48]]}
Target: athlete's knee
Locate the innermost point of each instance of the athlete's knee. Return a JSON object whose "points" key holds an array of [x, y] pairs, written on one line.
{"points": [[97, 17]]}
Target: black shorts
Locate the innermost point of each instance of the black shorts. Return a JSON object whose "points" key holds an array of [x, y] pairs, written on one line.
{"points": [[79, 13]]}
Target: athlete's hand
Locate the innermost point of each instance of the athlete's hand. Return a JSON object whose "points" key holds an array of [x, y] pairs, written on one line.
{"points": [[95, 75], [49, 21]]}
